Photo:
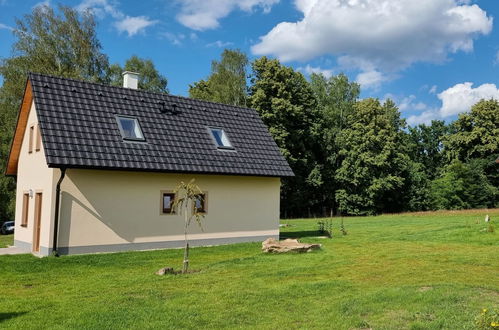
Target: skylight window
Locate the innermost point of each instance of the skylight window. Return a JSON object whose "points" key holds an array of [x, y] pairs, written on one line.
{"points": [[130, 128], [220, 138]]}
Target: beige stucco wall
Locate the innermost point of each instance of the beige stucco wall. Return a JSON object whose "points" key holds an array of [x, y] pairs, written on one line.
{"points": [[101, 208], [33, 173]]}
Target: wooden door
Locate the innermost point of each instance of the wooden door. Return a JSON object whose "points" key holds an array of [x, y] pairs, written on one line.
{"points": [[37, 222]]}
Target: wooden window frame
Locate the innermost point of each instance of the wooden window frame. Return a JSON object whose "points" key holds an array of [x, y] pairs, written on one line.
{"points": [[25, 212], [30, 142], [38, 144], [37, 220], [204, 209], [162, 209]]}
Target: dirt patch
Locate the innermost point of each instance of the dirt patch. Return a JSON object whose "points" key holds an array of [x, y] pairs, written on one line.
{"points": [[425, 288], [171, 271]]}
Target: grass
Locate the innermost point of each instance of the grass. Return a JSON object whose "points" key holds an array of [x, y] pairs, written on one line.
{"points": [[424, 271], [6, 240]]}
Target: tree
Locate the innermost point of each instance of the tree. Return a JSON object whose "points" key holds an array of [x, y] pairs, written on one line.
{"points": [[373, 163], [62, 44], [425, 146], [336, 97], [149, 77], [476, 133], [463, 186], [186, 195], [287, 105], [227, 81], [476, 136]]}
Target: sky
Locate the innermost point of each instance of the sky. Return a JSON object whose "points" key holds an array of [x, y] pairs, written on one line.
{"points": [[434, 58]]}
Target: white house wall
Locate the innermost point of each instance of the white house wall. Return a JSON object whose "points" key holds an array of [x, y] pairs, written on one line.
{"points": [[104, 211], [34, 174]]}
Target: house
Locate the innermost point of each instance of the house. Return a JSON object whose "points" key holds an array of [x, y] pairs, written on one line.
{"points": [[96, 167]]}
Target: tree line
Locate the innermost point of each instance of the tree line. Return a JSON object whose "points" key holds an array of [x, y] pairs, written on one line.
{"points": [[350, 156]]}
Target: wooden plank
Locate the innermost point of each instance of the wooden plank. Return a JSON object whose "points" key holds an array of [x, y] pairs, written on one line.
{"points": [[22, 122]]}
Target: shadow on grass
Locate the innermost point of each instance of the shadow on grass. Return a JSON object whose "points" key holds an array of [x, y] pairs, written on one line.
{"points": [[300, 234], [6, 316]]}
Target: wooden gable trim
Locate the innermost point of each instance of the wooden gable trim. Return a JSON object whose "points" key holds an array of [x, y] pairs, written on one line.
{"points": [[22, 123]]}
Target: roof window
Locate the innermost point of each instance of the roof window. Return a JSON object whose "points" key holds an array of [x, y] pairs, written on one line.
{"points": [[130, 128], [220, 138]]}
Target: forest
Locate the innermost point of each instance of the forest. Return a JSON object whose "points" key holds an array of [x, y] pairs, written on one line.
{"points": [[350, 156]]}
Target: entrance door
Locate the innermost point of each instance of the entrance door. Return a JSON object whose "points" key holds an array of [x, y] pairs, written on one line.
{"points": [[37, 222]]}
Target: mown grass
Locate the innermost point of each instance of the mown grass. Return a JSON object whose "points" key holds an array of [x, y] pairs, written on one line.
{"points": [[428, 271], [6, 240]]}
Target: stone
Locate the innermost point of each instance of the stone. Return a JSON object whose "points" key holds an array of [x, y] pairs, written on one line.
{"points": [[165, 270], [271, 245]]}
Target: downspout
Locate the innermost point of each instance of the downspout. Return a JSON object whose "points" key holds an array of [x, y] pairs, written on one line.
{"points": [[56, 216]]}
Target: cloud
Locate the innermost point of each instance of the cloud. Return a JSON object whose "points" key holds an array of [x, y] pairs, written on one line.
{"points": [[455, 100], [6, 27], [371, 79], [424, 118], [220, 44], [100, 8], [133, 25], [496, 58], [175, 39], [45, 3], [462, 97], [376, 36], [205, 14], [433, 89], [408, 103], [318, 70]]}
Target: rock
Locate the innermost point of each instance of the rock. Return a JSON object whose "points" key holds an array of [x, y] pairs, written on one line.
{"points": [[487, 218], [271, 245], [165, 270]]}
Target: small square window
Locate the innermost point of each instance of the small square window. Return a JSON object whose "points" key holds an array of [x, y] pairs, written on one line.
{"points": [[130, 128], [167, 202], [220, 138], [200, 205]]}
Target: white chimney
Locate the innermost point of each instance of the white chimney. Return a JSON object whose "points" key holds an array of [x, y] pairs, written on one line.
{"points": [[130, 79]]}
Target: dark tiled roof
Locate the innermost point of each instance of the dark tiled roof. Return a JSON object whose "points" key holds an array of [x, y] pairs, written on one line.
{"points": [[79, 130]]}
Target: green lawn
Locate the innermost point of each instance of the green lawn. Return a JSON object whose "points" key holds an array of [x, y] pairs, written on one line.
{"points": [[426, 271], [6, 240]]}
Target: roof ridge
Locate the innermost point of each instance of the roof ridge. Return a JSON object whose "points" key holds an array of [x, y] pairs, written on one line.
{"points": [[137, 90]]}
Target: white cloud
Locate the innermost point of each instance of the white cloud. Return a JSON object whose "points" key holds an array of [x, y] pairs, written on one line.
{"points": [[377, 36], [433, 89], [220, 44], [6, 27], [175, 39], [496, 58], [100, 8], [371, 79], [455, 100], [409, 103], [424, 118], [308, 69], [205, 14], [42, 4], [462, 97], [133, 25]]}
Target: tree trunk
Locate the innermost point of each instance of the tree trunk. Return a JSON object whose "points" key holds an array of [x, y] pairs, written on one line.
{"points": [[186, 259], [185, 265]]}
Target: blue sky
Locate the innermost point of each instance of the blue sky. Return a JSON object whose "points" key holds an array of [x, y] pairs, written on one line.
{"points": [[435, 58]]}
